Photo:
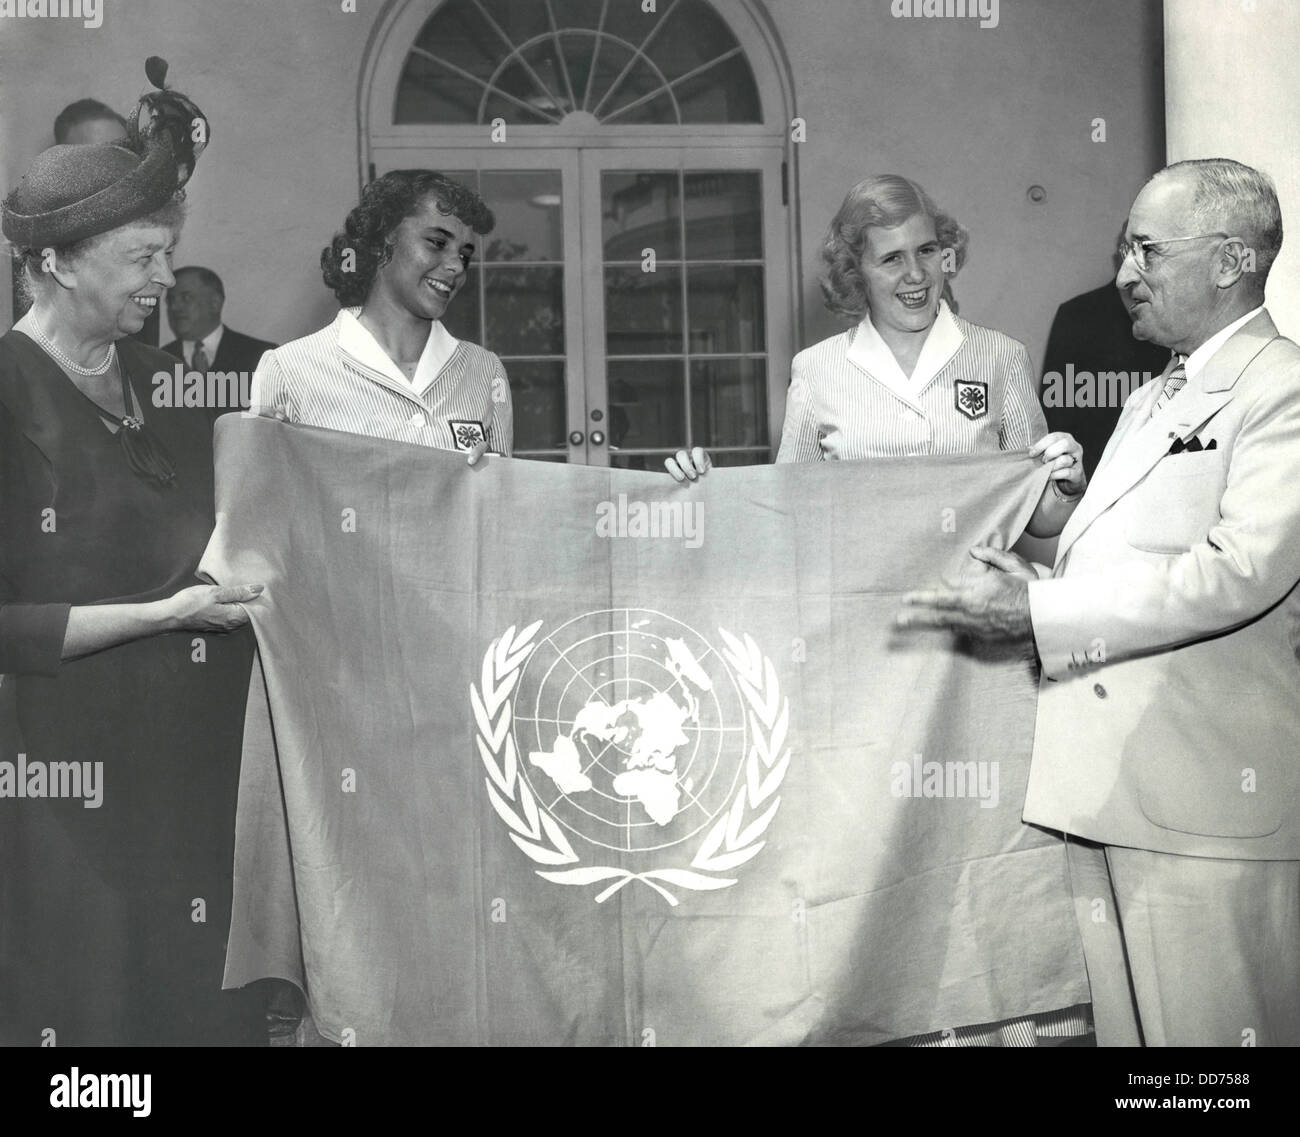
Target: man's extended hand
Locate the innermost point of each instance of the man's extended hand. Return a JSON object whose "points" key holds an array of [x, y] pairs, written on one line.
{"points": [[991, 606]]}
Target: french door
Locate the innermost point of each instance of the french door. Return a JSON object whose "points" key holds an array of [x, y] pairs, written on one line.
{"points": [[631, 294]]}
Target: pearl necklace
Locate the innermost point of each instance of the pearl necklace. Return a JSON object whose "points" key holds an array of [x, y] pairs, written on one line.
{"points": [[69, 364]]}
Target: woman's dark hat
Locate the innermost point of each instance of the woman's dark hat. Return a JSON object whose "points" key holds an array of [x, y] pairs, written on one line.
{"points": [[70, 193]]}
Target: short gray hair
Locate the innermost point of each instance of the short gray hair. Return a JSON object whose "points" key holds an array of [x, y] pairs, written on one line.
{"points": [[1238, 200]]}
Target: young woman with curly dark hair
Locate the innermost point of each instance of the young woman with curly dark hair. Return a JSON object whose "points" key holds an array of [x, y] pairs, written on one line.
{"points": [[386, 366]]}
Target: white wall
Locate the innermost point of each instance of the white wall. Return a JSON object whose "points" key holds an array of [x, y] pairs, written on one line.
{"points": [[1233, 90], [976, 116]]}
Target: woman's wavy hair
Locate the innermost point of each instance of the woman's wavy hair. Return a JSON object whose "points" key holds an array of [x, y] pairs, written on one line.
{"points": [[884, 200], [385, 204]]}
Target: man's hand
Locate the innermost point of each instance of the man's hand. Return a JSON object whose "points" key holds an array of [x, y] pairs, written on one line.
{"points": [[476, 452], [688, 465], [992, 606]]}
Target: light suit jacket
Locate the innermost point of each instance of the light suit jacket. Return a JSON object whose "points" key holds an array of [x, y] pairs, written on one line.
{"points": [[1169, 632]]}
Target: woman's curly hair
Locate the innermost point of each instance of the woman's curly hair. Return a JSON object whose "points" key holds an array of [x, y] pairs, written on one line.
{"points": [[385, 204], [884, 200]]}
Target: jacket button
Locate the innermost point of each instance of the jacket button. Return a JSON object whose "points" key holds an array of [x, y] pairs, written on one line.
{"points": [[1099, 690]]}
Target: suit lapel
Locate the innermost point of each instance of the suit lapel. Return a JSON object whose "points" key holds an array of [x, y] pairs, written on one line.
{"points": [[1144, 439]]}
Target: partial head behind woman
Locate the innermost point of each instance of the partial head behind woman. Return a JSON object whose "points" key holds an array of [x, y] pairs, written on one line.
{"points": [[883, 215], [409, 242]]}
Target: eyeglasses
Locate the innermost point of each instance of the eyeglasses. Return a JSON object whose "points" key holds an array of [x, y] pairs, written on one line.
{"points": [[1138, 249]]}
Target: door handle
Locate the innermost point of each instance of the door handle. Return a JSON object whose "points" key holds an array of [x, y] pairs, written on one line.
{"points": [[576, 438], [597, 437]]}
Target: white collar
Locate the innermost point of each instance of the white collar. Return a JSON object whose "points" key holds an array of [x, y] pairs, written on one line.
{"points": [[210, 344], [1201, 356], [870, 352], [356, 340]]}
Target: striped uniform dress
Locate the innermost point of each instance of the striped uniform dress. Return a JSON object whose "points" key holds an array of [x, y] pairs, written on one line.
{"points": [[340, 378], [972, 390]]}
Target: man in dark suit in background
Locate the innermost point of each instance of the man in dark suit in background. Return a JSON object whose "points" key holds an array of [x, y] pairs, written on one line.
{"points": [[1091, 336], [204, 343]]}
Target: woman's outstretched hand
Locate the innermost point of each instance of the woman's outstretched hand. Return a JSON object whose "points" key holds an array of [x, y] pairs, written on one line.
{"points": [[1064, 456], [210, 607]]}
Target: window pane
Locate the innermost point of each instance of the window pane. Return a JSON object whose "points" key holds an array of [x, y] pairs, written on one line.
{"points": [[520, 22], [429, 93], [537, 394], [643, 311], [525, 310], [728, 402], [529, 218], [608, 59], [654, 462], [658, 111], [460, 35], [725, 93], [641, 80], [629, 23], [726, 308], [462, 317], [534, 105], [544, 59], [742, 458], [692, 35], [579, 51], [640, 211], [578, 13], [647, 404], [724, 216]]}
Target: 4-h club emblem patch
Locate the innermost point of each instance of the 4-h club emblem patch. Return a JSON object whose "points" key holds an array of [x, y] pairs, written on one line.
{"points": [[972, 398], [466, 433], [625, 746]]}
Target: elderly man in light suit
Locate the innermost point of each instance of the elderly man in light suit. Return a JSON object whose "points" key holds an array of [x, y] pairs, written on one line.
{"points": [[1168, 735]]}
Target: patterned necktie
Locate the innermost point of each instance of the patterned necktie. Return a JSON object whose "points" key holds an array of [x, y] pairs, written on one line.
{"points": [[199, 360], [1175, 381]]}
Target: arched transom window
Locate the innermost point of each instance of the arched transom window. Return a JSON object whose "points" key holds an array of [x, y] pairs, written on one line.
{"points": [[637, 283], [541, 61]]}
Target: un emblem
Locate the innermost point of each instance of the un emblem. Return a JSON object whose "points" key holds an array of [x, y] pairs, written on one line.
{"points": [[624, 735]]}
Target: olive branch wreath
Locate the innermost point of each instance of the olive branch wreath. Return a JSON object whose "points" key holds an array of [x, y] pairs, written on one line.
{"points": [[737, 835]]}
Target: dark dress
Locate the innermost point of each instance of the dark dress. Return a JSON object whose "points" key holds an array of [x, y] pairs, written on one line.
{"points": [[113, 920]]}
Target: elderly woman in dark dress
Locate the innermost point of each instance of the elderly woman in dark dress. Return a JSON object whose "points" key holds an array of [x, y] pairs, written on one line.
{"points": [[118, 866]]}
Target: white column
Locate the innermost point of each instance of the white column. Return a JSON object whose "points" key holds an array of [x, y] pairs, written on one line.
{"points": [[1232, 90]]}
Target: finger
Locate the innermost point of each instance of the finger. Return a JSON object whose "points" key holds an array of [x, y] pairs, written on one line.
{"points": [[998, 558], [670, 464], [700, 459], [1046, 441], [930, 618], [267, 411], [945, 598], [235, 617], [237, 593], [684, 464], [476, 452]]}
